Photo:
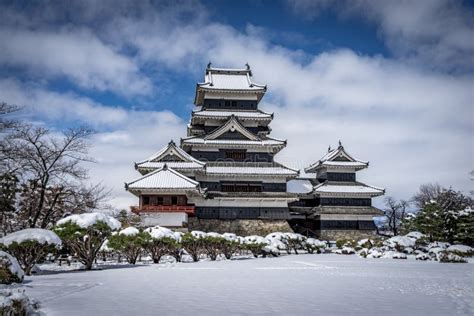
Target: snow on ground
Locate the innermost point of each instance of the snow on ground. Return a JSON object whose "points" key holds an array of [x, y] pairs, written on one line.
{"points": [[298, 285]]}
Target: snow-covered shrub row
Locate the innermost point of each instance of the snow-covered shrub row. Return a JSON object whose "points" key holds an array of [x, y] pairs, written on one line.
{"points": [[30, 246], [15, 302], [412, 244], [10, 270], [157, 242]]}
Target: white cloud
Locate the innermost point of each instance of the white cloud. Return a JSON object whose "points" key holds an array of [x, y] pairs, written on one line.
{"points": [[438, 33], [75, 54]]}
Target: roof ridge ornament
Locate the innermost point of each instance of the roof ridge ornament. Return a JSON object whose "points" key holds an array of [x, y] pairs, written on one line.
{"points": [[165, 167], [209, 65], [340, 144], [247, 66], [329, 148]]}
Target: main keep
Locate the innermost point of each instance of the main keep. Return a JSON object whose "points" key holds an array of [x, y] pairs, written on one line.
{"points": [[223, 177]]}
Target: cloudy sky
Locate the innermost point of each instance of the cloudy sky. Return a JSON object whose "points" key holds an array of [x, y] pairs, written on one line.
{"points": [[393, 80]]}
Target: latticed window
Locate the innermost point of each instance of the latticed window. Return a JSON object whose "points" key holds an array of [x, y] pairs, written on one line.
{"points": [[241, 187], [235, 155]]}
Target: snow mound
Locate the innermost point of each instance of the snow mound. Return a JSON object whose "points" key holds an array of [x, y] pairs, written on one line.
{"points": [[345, 251], [15, 302], [256, 240], [462, 249], [198, 234], [399, 255], [316, 243], [42, 236], [159, 232], [415, 235], [88, 219], [374, 253], [10, 263], [129, 231], [400, 241], [422, 256], [230, 236], [215, 235]]}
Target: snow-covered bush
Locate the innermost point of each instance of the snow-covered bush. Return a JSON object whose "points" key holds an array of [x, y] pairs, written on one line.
{"points": [[162, 242], [374, 253], [85, 233], [231, 245], [255, 245], [344, 242], [461, 250], [311, 245], [213, 244], [192, 243], [295, 242], [10, 270], [422, 256], [130, 242], [14, 302], [30, 246], [449, 257], [399, 243], [399, 255], [345, 251]]}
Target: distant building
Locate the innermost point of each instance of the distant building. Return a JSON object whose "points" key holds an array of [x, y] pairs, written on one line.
{"points": [[223, 176]]}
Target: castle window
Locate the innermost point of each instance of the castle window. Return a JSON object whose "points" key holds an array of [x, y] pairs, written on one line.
{"points": [[174, 200], [146, 200], [234, 103], [235, 155], [160, 200], [227, 103]]}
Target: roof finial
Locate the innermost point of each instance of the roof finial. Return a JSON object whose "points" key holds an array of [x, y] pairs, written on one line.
{"points": [[329, 148], [340, 144], [247, 65], [209, 65], [171, 142]]}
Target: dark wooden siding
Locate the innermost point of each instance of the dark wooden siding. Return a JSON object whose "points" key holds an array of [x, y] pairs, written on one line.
{"points": [[341, 176], [266, 187], [346, 202], [221, 156], [229, 104]]}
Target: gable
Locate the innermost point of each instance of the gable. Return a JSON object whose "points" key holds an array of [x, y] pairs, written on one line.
{"points": [[232, 129]]}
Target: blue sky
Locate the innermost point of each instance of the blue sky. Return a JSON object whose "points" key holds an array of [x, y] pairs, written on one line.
{"points": [[392, 80]]}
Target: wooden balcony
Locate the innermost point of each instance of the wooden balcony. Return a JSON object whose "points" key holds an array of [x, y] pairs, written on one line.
{"points": [[189, 209]]}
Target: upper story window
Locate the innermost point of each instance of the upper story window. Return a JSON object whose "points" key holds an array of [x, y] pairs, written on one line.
{"points": [[236, 155], [241, 187]]}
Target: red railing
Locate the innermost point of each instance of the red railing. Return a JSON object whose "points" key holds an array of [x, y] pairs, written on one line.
{"points": [[189, 209]]}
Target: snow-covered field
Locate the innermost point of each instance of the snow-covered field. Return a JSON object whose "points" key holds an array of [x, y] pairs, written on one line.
{"points": [[293, 285]]}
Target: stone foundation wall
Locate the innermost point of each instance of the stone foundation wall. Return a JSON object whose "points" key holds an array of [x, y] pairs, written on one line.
{"points": [[241, 227], [347, 234]]}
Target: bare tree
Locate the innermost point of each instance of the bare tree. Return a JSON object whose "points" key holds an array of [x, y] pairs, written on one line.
{"points": [[51, 166], [395, 212], [427, 192]]}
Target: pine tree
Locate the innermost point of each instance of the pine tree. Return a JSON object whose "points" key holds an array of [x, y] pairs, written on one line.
{"points": [[429, 222], [465, 228]]}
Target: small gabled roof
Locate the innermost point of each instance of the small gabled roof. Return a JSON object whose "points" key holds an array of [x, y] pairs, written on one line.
{"points": [[257, 115], [162, 179], [228, 80], [330, 159], [337, 189], [173, 150], [232, 125]]}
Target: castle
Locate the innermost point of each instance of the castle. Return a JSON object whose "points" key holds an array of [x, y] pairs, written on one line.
{"points": [[223, 177]]}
